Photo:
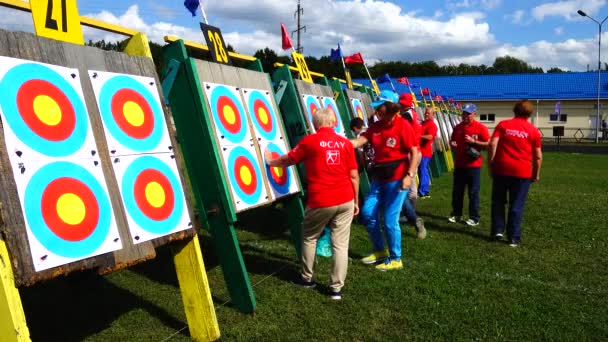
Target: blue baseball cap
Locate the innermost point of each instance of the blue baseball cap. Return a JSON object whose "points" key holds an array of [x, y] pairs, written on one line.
{"points": [[469, 108], [385, 96]]}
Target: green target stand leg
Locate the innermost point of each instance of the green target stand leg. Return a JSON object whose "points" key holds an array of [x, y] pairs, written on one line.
{"points": [[195, 136]]}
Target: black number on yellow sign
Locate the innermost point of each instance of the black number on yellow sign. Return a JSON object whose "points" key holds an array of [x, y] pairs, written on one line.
{"points": [[52, 23], [302, 67], [216, 44]]}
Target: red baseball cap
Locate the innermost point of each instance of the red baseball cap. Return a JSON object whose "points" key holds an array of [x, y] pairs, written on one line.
{"points": [[406, 100]]}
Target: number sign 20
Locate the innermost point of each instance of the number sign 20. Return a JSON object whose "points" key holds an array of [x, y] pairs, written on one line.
{"points": [[57, 19], [215, 42]]}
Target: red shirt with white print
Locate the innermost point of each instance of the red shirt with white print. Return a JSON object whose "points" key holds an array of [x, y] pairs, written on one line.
{"points": [[392, 142], [517, 139], [328, 159], [474, 129]]}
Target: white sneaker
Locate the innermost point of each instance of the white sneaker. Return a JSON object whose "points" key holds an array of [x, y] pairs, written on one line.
{"points": [[454, 219], [471, 222]]}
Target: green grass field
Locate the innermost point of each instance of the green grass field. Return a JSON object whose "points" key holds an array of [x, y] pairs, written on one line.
{"points": [[455, 285]]}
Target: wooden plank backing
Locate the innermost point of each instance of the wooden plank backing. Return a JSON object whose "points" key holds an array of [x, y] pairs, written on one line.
{"points": [[30, 47]]}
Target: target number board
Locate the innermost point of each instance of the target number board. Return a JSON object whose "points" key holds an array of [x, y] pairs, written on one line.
{"points": [[216, 44], [57, 19], [300, 62]]}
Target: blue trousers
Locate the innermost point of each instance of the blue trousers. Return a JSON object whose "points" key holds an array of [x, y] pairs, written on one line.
{"points": [[466, 177], [389, 197], [424, 177], [516, 189]]}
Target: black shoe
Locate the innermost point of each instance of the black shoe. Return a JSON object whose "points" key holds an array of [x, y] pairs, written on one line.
{"points": [[335, 295], [299, 282]]}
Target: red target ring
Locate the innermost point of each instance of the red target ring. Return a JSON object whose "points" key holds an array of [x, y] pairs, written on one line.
{"points": [[52, 211], [245, 174], [142, 125], [313, 108], [27, 96], [333, 113], [229, 114], [259, 107], [278, 174], [149, 204]]}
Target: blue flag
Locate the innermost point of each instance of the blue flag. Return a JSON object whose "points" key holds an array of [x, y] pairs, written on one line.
{"points": [[414, 85], [192, 6], [335, 55], [384, 79]]}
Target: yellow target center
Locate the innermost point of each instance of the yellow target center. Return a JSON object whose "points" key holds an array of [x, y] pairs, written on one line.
{"points": [[245, 175], [133, 113], [360, 114], [155, 194], [278, 171], [71, 209], [229, 114], [47, 110], [263, 114]]}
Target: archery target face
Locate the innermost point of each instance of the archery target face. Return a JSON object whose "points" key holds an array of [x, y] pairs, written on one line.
{"points": [[330, 104], [44, 111], [262, 112], [152, 195], [311, 105], [67, 211], [359, 110], [228, 114], [132, 115], [244, 176], [281, 180]]}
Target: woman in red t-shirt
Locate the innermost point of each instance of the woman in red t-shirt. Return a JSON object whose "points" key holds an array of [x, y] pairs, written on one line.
{"points": [[515, 160]]}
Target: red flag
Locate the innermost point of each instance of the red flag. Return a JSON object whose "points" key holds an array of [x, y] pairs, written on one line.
{"points": [[450, 100], [438, 98], [287, 44], [426, 91], [354, 59], [403, 80], [458, 104]]}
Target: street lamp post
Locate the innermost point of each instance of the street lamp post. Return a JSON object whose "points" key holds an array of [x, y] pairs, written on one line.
{"points": [[599, 69]]}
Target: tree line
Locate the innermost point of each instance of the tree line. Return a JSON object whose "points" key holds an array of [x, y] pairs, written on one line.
{"points": [[323, 65]]}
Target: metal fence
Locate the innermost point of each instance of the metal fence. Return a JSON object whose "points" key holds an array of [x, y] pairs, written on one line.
{"points": [[573, 135]]}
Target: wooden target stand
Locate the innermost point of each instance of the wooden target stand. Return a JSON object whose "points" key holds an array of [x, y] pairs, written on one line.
{"points": [[294, 117], [196, 295], [183, 81]]}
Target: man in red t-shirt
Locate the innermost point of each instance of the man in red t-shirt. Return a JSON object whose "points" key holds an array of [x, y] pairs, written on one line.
{"points": [[427, 135], [515, 159], [392, 139], [333, 192], [468, 138], [408, 210]]}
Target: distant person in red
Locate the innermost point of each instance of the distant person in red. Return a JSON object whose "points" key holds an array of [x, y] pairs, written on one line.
{"points": [[469, 138], [333, 192], [427, 135], [515, 158]]}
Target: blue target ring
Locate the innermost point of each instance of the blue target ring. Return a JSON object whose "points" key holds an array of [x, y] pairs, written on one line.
{"points": [[257, 95], [10, 85], [108, 90], [128, 186], [220, 96], [237, 152], [309, 101], [280, 188], [34, 212], [328, 102]]}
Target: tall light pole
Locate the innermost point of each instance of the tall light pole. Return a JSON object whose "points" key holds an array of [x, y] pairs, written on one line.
{"points": [[599, 69]]}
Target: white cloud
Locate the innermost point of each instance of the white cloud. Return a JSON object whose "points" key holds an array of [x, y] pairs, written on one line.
{"points": [[483, 4], [559, 30], [516, 17], [567, 9]]}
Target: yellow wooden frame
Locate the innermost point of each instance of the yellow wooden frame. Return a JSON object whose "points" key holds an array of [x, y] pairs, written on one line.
{"points": [[187, 256]]}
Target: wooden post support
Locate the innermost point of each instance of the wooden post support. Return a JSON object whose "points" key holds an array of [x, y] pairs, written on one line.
{"points": [[187, 256], [13, 326]]}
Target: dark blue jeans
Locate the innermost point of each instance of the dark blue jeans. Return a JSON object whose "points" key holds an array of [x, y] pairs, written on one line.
{"points": [[425, 177], [517, 191], [466, 177]]}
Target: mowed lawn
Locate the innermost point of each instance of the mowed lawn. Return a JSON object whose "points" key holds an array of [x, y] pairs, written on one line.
{"points": [[455, 285]]}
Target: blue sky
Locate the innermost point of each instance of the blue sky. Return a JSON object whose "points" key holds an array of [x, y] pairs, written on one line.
{"points": [[543, 33]]}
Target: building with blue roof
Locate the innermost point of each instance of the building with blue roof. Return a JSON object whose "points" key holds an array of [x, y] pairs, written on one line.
{"points": [[563, 99]]}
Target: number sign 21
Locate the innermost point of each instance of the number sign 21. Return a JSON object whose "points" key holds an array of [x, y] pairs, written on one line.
{"points": [[215, 42], [57, 19]]}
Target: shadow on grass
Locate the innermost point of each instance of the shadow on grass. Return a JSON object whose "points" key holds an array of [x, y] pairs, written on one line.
{"points": [[456, 228], [83, 304]]}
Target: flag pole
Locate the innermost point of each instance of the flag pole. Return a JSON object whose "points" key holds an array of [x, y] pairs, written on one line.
{"points": [[203, 13], [371, 80]]}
